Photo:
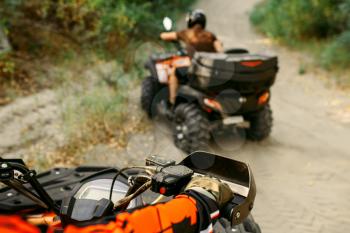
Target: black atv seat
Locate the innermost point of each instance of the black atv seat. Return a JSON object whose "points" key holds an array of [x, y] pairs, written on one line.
{"points": [[246, 73]]}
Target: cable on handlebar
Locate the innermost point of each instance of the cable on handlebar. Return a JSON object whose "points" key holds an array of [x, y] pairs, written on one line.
{"points": [[147, 169], [123, 203], [158, 199]]}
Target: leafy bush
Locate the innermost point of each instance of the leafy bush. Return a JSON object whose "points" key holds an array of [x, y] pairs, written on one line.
{"points": [[303, 21], [337, 53], [53, 31], [99, 23]]}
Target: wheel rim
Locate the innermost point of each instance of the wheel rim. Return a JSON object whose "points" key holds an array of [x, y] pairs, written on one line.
{"points": [[189, 134], [180, 134], [180, 131]]}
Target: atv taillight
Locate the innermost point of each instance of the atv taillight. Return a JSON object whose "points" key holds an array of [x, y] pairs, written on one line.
{"points": [[213, 104], [251, 63], [263, 98]]}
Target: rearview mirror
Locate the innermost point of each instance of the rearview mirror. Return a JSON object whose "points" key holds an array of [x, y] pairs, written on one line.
{"points": [[167, 23]]}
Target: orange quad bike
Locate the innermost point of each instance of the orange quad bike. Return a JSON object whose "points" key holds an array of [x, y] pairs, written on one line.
{"points": [[217, 91], [85, 196]]}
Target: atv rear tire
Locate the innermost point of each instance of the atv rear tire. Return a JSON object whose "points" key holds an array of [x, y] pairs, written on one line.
{"points": [[260, 124], [191, 128], [150, 88]]}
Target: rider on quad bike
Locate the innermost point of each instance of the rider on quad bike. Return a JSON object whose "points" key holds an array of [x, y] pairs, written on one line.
{"points": [[196, 38], [193, 211], [210, 92]]}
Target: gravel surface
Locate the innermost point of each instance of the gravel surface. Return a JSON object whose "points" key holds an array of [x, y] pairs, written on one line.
{"points": [[302, 171]]}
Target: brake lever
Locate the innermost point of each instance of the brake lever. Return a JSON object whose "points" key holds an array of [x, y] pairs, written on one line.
{"points": [[136, 182]]}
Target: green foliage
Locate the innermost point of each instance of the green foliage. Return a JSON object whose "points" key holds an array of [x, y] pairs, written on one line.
{"points": [[95, 114], [7, 67], [300, 21], [98, 105], [98, 23], [65, 30], [337, 53]]}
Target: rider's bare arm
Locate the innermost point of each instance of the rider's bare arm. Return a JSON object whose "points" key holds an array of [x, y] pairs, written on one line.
{"points": [[168, 36], [218, 46]]}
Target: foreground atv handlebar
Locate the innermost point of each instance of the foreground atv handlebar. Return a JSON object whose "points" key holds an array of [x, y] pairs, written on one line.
{"points": [[161, 176], [238, 175]]}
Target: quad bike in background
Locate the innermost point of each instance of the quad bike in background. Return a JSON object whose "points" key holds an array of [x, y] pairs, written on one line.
{"points": [[217, 90], [72, 196]]}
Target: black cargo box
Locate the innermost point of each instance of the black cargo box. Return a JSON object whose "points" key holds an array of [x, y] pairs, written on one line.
{"points": [[246, 73]]}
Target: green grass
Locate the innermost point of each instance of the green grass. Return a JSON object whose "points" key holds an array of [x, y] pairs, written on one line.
{"points": [[320, 27], [95, 108]]}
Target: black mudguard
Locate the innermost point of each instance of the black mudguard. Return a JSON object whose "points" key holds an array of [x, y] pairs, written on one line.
{"points": [[151, 66], [190, 95]]}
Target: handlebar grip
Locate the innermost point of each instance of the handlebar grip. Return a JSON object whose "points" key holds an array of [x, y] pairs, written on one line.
{"points": [[226, 212], [170, 180], [230, 210]]}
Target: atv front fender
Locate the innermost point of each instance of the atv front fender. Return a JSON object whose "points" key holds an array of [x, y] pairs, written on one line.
{"points": [[190, 95], [150, 65]]}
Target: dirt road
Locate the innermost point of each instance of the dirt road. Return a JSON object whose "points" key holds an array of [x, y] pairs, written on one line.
{"points": [[29, 121], [303, 169]]}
